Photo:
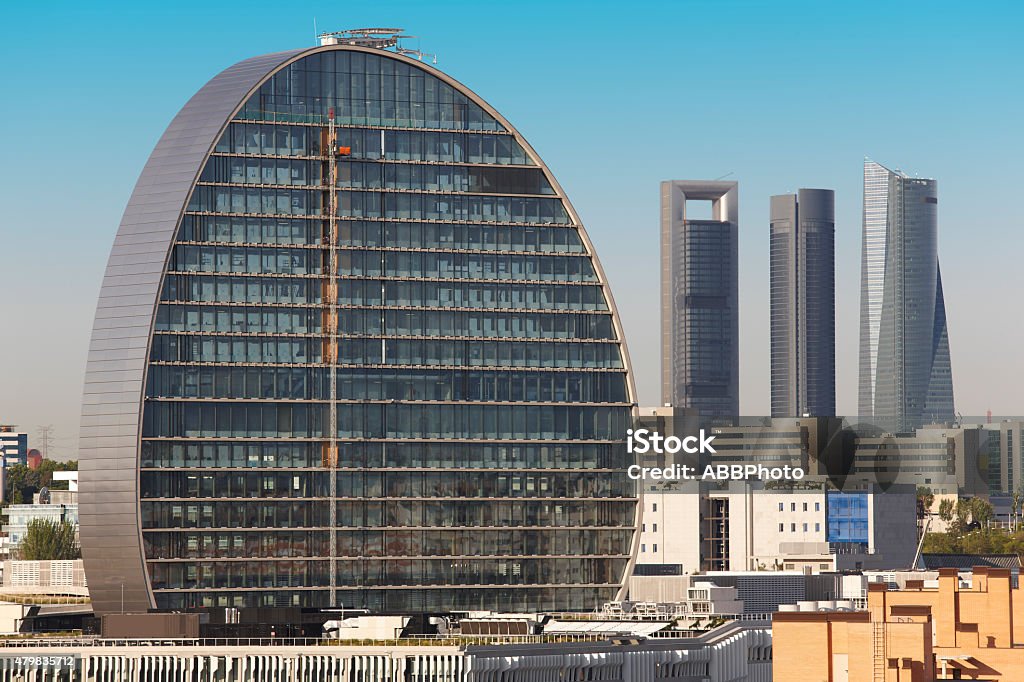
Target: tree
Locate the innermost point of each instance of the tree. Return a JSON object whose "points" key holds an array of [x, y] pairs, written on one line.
{"points": [[48, 540], [981, 511], [925, 499], [969, 531], [946, 510], [966, 515]]}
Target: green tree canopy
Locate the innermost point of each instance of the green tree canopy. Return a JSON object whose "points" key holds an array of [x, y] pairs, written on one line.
{"points": [[48, 540], [926, 496], [969, 530], [21, 483]]}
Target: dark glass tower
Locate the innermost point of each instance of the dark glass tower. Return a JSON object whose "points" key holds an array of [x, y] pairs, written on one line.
{"points": [[803, 296], [700, 297], [905, 375], [353, 347]]}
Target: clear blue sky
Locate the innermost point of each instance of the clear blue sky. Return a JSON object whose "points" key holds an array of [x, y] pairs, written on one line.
{"points": [[615, 96]]}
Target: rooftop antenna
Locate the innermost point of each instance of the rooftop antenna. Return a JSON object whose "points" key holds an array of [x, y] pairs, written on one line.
{"points": [[723, 177], [379, 38], [316, 33]]}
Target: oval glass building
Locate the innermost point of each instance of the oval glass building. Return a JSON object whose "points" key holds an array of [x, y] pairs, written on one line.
{"points": [[353, 347]]}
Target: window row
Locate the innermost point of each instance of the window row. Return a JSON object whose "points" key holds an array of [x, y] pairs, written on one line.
{"points": [[501, 571], [370, 351], [278, 515], [296, 383], [436, 178], [466, 266], [368, 144], [270, 139], [173, 348], [250, 230], [489, 353], [250, 259], [239, 171], [848, 530], [441, 599], [473, 295], [393, 455], [240, 319], [596, 387], [433, 147], [263, 484], [471, 237], [221, 289], [238, 544], [472, 421], [415, 145], [482, 421], [208, 288], [375, 484], [252, 455], [265, 320], [264, 260], [217, 199], [392, 205], [472, 323], [364, 110], [446, 207]]}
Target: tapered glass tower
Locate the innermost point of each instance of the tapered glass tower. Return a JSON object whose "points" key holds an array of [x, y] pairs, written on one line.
{"points": [[353, 346], [905, 375]]}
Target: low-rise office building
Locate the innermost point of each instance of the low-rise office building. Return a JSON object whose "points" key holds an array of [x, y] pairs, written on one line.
{"points": [[19, 516], [803, 526], [948, 632], [942, 458]]}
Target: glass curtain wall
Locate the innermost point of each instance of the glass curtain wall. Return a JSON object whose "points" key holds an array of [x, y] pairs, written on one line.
{"points": [[480, 385]]}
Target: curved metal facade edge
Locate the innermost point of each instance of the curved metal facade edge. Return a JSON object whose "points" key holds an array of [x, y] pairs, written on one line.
{"points": [[115, 372], [111, 534]]}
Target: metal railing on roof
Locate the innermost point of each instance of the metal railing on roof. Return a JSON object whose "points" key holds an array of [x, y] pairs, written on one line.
{"points": [[418, 640]]}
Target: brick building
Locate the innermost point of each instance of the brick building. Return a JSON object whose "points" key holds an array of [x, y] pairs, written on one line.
{"points": [[970, 630]]}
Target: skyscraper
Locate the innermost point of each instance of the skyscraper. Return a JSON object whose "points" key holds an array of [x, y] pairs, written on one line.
{"points": [[699, 297], [905, 376], [803, 296], [353, 347]]}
